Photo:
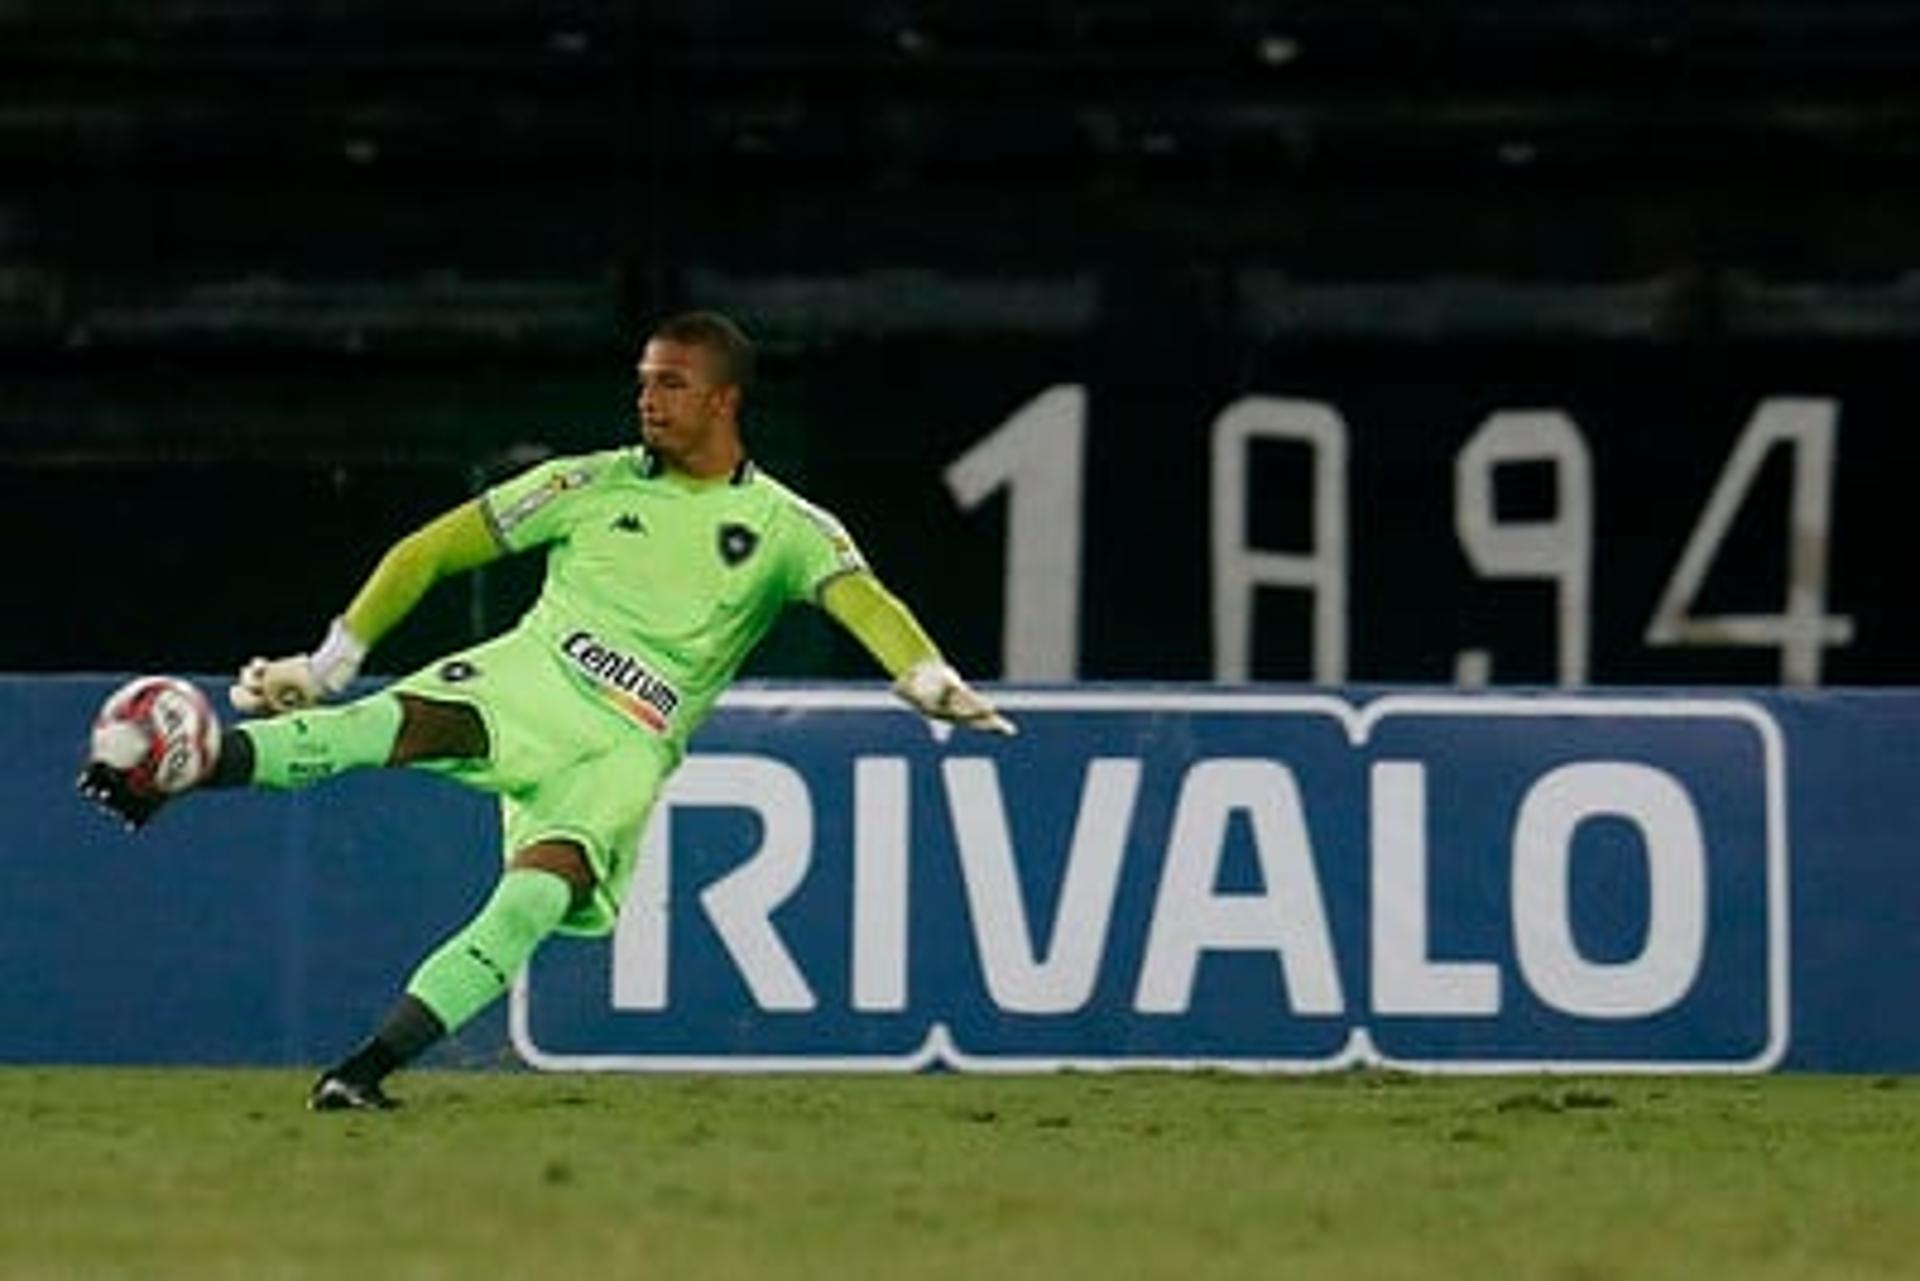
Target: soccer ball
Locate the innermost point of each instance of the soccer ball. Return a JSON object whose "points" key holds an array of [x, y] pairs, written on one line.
{"points": [[158, 733]]}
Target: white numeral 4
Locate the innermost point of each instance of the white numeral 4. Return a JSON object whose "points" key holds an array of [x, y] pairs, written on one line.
{"points": [[1803, 629]]}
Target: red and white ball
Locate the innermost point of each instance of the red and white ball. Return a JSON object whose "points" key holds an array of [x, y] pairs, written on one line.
{"points": [[161, 733]]}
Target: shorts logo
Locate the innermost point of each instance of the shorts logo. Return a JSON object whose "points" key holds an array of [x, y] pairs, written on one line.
{"points": [[639, 692], [737, 543], [456, 670]]}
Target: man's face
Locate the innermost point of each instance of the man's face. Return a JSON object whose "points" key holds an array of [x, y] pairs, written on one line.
{"points": [[680, 404]]}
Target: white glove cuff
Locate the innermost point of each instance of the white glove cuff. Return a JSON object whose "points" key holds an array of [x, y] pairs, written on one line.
{"points": [[336, 660], [927, 683]]}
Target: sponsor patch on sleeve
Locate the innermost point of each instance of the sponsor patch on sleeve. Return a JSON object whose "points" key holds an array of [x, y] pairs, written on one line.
{"points": [[845, 553], [523, 508]]}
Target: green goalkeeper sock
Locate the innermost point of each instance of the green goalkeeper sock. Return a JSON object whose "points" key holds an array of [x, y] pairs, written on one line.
{"points": [[471, 969], [304, 747]]}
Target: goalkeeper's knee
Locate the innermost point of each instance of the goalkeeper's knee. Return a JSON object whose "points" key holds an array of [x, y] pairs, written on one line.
{"points": [[474, 967]]}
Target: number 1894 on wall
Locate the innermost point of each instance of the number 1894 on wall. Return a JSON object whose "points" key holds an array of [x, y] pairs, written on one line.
{"points": [[1038, 456]]}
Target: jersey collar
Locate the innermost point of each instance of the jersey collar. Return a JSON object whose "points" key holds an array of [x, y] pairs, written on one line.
{"points": [[651, 465]]}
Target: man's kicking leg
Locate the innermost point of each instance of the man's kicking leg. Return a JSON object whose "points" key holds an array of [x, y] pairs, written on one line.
{"points": [[300, 748], [305, 747]]}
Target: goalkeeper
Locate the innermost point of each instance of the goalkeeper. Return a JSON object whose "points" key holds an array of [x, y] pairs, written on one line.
{"points": [[667, 563]]}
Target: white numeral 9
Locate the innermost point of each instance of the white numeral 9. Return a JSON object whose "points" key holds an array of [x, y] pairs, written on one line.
{"points": [[1558, 549]]}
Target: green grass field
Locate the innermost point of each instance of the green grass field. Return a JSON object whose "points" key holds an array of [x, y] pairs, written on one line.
{"points": [[220, 1174]]}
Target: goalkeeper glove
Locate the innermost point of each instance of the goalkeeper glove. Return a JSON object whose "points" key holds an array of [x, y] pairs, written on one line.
{"points": [[934, 689], [269, 686]]}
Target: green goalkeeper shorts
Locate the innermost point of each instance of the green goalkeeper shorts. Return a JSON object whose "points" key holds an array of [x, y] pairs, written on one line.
{"points": [[564, 767]]}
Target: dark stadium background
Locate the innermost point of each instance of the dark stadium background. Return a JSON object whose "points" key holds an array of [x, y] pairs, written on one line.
{"points": [[279, 278]]}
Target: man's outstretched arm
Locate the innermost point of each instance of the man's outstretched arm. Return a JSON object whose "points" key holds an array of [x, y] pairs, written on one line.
{"points": [[452, 542], [881, 622]]}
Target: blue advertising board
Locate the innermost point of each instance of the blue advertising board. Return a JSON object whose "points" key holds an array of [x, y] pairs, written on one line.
{"points": [[1269, 881], [1259, 879]]}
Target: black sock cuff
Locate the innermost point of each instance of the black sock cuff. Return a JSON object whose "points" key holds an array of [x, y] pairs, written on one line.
{"points": [[409, 1028], [235, 766]]}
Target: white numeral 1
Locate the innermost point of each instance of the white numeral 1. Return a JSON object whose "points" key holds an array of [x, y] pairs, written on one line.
{"points": [[1804, 629], [1037, 456]]}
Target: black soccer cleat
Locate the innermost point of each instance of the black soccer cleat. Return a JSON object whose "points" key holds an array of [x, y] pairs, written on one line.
{"points": [[337, 1094], [107, 787]]}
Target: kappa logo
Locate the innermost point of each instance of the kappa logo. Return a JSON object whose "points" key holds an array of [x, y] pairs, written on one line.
{"points": [[627, 523], [737, 543]]}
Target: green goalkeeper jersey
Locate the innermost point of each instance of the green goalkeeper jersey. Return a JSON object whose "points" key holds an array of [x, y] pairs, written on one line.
{"points": [[659, 585]]}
